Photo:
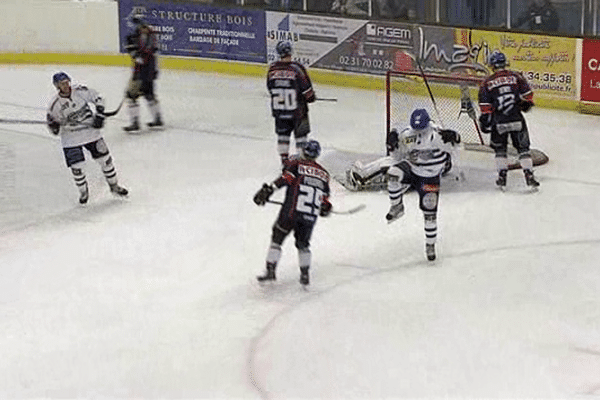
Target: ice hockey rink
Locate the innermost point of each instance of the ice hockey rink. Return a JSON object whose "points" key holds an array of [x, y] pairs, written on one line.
{"points": [[155, 296]]}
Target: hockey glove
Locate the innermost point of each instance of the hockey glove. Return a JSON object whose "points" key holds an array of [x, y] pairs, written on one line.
{"points": [[485, 123], [450, 136], [325, 209], [262, 196], [525, 105], [99, 118], [53, 126], [392, 141]]}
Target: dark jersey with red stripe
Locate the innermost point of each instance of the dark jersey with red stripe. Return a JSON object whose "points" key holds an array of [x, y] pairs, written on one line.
{"points": [[501, 93], [142, 46], [307, 187], [290, 88]]}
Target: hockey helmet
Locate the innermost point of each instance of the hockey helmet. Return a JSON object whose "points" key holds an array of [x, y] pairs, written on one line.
{"points": [[497, 60], [58, 77], [284, 49], [311, 150], [419, 119]]}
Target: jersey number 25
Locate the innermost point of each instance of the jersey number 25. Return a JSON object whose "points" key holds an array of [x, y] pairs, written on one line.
{"points": [[309, 200]]}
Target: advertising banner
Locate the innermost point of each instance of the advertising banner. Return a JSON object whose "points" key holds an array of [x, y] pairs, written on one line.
{"points": [[374, 48], [197, 30], [590, 71], [312, 36], [548, 62]]}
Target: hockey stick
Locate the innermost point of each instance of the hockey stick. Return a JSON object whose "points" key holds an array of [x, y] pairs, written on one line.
{"points": [[455, 155], [466, 106], [349, 211], [325, 99], [21, 121], [115, 112], [35, 121]]}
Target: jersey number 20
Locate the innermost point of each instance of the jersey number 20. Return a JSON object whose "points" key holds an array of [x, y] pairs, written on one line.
{"points": [[284, 99]]}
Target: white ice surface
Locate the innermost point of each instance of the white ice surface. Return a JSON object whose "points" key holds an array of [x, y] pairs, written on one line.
{"points": [[155, 296]]}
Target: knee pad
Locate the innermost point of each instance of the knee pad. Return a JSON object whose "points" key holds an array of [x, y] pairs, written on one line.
{"points": [[105, 161], [394, 174], [77, 169]]}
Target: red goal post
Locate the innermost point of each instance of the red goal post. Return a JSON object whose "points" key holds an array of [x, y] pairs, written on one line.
{"points": [[450, 99]]}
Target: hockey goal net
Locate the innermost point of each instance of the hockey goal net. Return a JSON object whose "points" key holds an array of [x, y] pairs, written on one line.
{"points": [[451, 101]]}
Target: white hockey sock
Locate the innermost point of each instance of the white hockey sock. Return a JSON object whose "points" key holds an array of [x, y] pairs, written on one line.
{"points": [[79, 177], [430, 219], [274, 253], [108, 169], [133, 109], [526, 161], [154, 108], [501, 163], [300, 142], [304, 257], [283, 145]]}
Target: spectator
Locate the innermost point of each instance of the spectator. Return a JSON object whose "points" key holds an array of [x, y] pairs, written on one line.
{"points": [[540, 16], [351, 7], [395, 9]]}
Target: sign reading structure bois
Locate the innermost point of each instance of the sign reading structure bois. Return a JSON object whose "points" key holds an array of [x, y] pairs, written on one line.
{"points": [[197, 30]]}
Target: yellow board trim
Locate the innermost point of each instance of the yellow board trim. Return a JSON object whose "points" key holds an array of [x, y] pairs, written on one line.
{"points": [[325, 77]]}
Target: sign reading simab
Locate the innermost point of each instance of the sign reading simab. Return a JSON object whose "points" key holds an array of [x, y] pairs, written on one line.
{"points": [[590, 71]]}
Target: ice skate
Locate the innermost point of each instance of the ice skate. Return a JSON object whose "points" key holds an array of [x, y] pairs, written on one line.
{"points": [[269, 274], [304, 278], [84, 196], [396, 211], [134, 127], [530, 179], [118, 190], [501, 181], [430, 251], [156, 123]]}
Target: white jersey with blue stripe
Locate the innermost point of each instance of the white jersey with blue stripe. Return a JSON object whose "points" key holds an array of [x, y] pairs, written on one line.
{"points": [[75, 116], [424, 150]]}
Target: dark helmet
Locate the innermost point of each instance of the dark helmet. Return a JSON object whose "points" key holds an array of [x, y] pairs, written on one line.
{"points": [[283, 49], [311, 149], [419, 119], [497, 60], [60, 76]]}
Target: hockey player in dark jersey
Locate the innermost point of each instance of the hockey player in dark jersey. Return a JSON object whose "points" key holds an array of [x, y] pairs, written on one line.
{"points": [[291, 90], [142, 46], [306, 198], [503, 98]]}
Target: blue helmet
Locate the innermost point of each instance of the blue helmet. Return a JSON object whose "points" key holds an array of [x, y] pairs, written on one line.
{"points": [[311, 150], [60, 76], [419, 119], [283, 49], [497, 60]]}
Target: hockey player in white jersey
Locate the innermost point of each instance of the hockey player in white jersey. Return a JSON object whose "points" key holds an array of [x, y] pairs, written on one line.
{"points": [[424, 149], [76, 113], [373, 175]]}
